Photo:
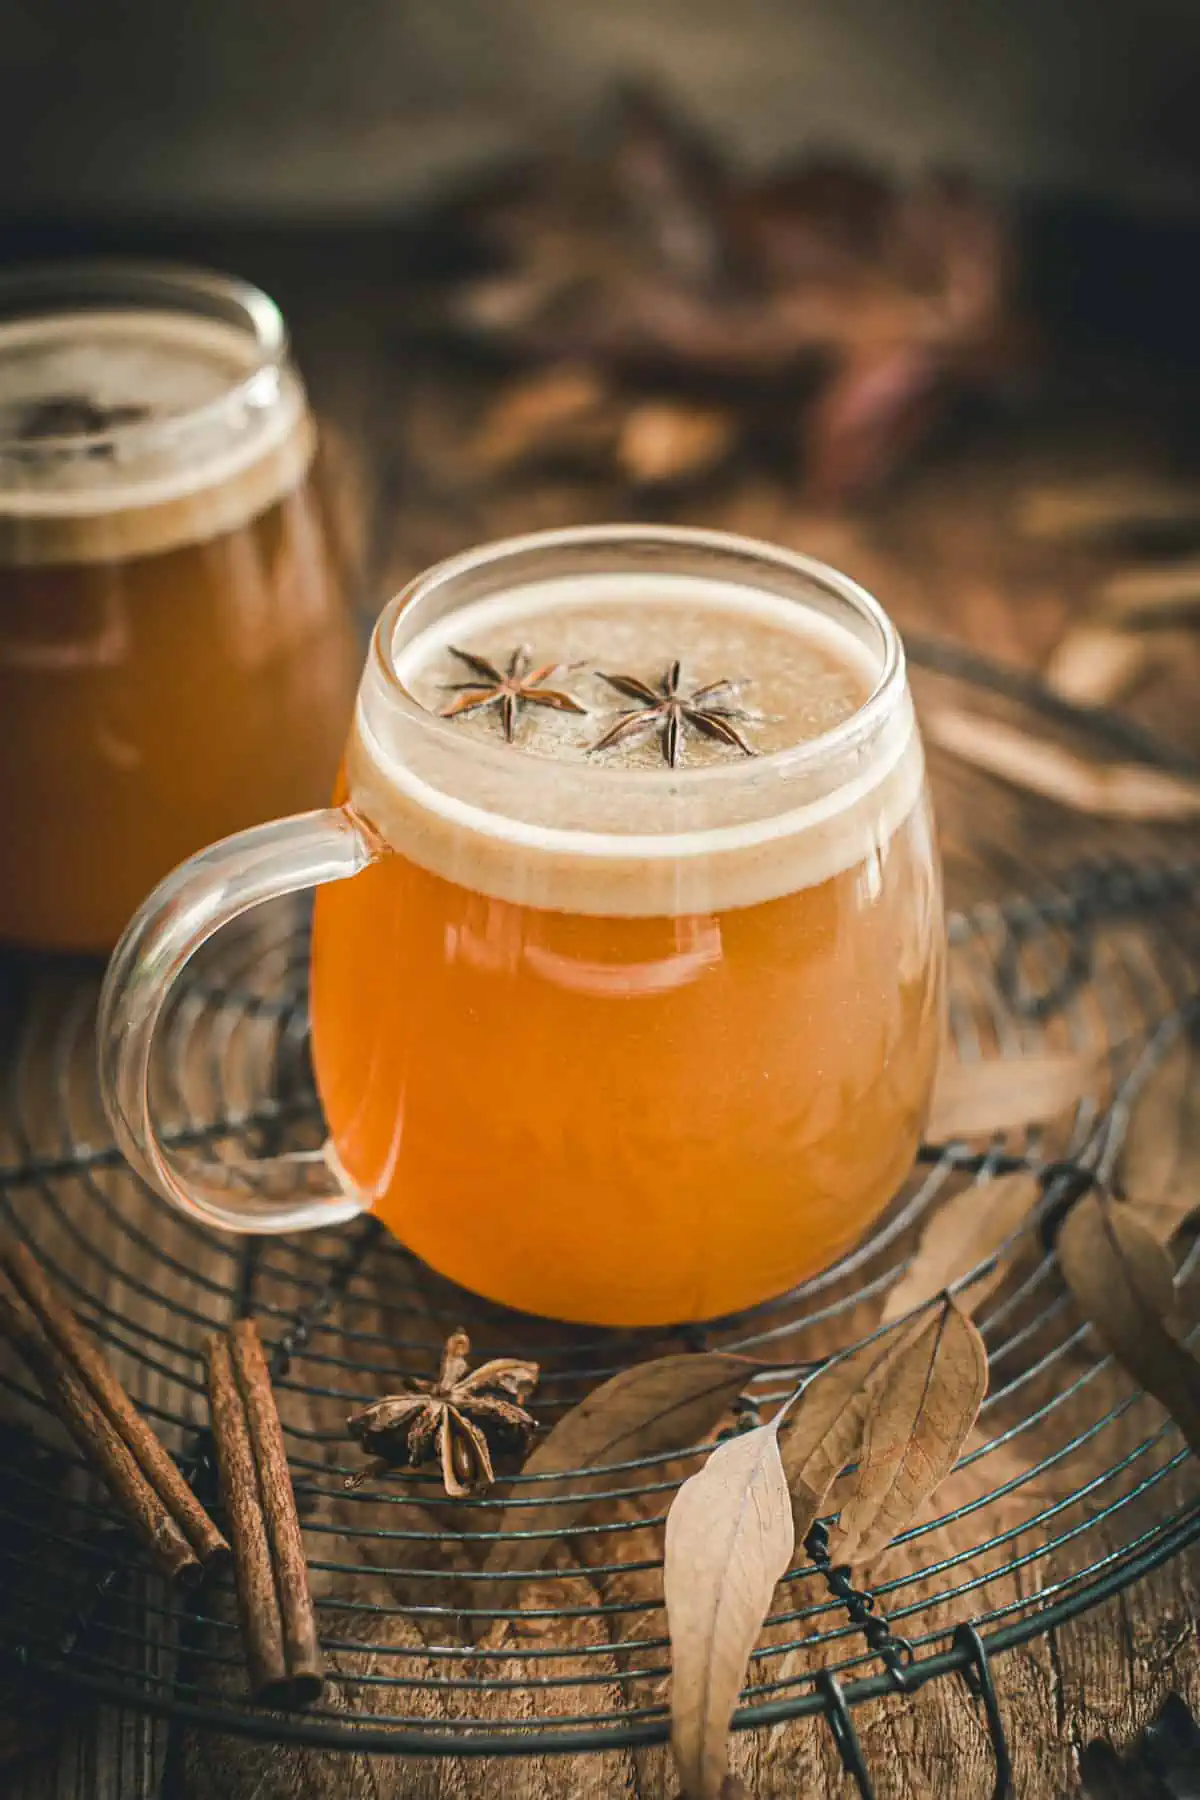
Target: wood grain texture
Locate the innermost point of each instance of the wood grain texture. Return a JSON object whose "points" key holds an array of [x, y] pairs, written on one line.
{"points": [[942, 553]]}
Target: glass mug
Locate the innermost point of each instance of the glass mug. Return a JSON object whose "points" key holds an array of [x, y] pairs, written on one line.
{"points": [[177, 659], [619, 1045]]}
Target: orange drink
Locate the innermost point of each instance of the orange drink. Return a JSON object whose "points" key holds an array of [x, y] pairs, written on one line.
{"points": [[628, 1006], [176, 656]]}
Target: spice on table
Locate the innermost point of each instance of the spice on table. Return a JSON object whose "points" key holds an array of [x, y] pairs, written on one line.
{"points": [[157, 1465], [275, 1605], [459, 1419], [98, 1438]]}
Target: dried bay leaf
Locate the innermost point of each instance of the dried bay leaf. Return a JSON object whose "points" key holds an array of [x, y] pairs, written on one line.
{"points": [[912, 1561], [1122, 1281], [669, 1404], [1104, 790], [729, 1540], [822, 1430], [923, 1402], [1005, 1093], [1159, 1166], [969, 1229]]}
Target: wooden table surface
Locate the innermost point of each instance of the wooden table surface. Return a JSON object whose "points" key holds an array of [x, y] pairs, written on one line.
{"points": [[943, 553]]}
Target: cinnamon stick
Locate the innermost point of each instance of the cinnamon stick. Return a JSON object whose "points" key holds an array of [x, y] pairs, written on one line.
{"points": [[254, 1578], [151, 1456], [279, 1507], [271, 1573], [98, 1439]]}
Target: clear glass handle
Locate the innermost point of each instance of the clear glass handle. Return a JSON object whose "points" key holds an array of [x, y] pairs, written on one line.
{"points": [[280, 1193]]}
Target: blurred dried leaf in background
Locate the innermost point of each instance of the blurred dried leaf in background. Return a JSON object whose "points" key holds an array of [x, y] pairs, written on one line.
{"points": [[820, 307]]}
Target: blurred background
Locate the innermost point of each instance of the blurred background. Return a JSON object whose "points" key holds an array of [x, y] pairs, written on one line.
{"points": [[313, 110], [869, 278]]}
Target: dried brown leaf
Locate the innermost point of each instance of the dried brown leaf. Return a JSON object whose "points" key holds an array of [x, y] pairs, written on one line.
{"points": [[822, 1430], [1159, 1167], [640, 250], [1122, 1282], [972, 1227], [922, 1404], [729, 1539], [668, 1404], [1005, 1093], [562, 410], [1095, 664], [1104, 790], [663, 441], [972, 1486]]}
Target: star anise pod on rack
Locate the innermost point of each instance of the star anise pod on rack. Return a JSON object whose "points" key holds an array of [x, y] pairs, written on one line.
{"points": [[509, 689], [712, 710], [457, 1420]]}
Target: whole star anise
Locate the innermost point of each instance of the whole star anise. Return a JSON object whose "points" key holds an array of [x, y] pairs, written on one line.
{"points": [[457, 1420], [712, 710], [75, 416], [518, 686]]}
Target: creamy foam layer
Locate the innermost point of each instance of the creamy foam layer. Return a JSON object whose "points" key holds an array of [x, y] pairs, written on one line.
{"points": [[128, 433], [793, 685], [545, 822]]}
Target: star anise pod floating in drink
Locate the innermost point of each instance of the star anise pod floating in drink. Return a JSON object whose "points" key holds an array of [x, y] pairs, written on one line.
{"points": [[74, 416], [712, 710], [458, 1421], [509, 689]]}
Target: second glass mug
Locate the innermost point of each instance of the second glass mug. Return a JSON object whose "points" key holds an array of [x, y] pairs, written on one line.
{"points": [[177, 651], [610, 1045]]}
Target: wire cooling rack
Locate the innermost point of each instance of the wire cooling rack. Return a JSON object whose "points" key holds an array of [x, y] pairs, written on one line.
{"points": [[1064, 931]]}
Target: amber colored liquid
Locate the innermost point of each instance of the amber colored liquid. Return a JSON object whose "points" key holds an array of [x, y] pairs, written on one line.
{"points": [[151, 705], [629, 1120]]}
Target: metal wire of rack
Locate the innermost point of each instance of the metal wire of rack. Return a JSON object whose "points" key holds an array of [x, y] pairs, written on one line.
{"points": [[1063, 931]]}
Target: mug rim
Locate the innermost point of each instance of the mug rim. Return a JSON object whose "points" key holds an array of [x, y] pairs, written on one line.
{"points": [[92, 281], [811, 754]]}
